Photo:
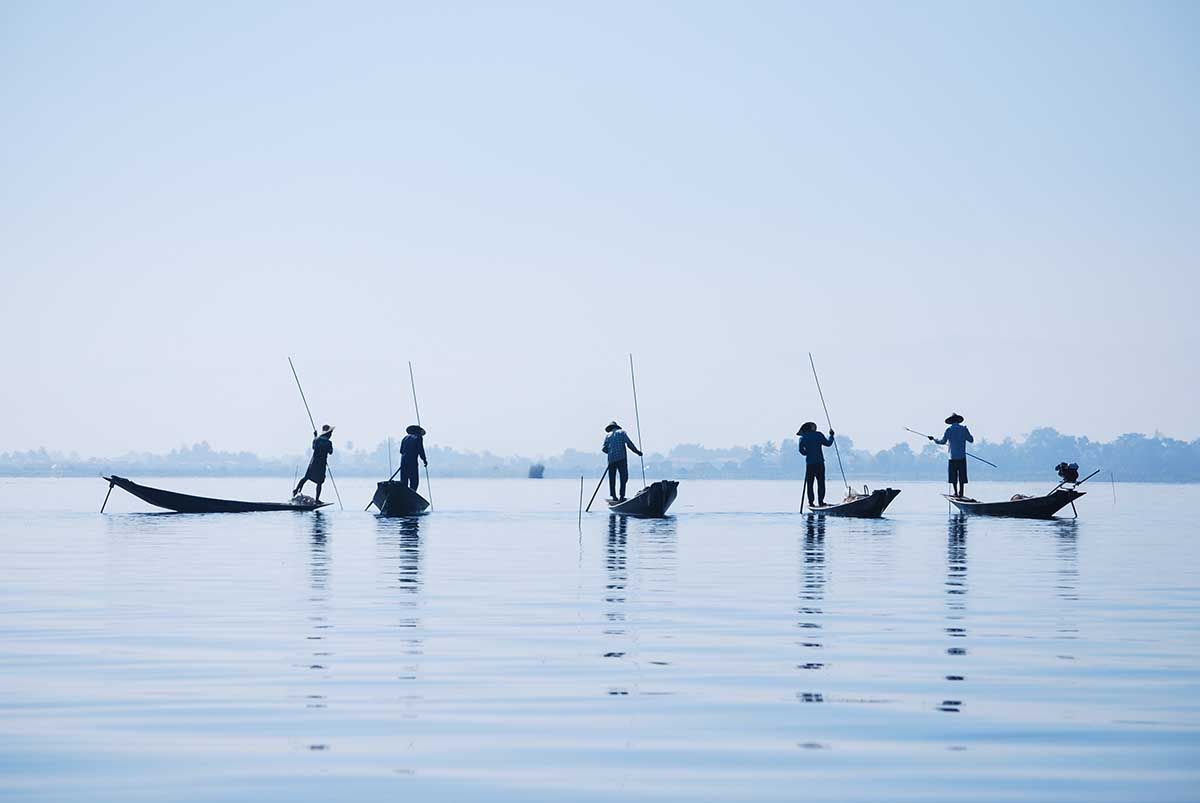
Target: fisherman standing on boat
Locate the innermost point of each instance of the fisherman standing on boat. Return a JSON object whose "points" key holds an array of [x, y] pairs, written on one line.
{"points": [[811, 443], [958, 437], [322, 447], [615, 444], [412, 447]]}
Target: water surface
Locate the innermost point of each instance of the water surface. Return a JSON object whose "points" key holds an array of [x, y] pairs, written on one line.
{"points": [[497, 650]]}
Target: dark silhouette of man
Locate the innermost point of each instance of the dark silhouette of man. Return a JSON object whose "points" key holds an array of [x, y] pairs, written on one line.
{"points": [[322, 447], [615, 444], [811, 443], [958, 437], [411, 448]]}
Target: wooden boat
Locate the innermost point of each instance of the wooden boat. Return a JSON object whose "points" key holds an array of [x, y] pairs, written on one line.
{"points": [[1026, 507], [397, 499], [185, 503], [651, 502], [863, 506]]}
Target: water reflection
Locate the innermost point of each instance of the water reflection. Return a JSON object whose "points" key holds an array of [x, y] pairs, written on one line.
{"points": [[1066, 533], [657, 556], [400, 540], [811, 598], [616, 577], [956, 603], [319, 564]]}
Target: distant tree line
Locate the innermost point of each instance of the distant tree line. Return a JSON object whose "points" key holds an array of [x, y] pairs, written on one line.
{"points": [[1132, 457]]}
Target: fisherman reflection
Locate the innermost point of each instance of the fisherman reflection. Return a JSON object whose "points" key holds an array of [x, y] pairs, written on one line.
{"points": [[812, 593], [319, 562], [956, 604], [617, 575], [403, 535]]}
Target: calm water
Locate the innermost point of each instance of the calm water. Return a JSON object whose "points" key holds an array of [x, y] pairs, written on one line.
{"points": [[496, 651]]}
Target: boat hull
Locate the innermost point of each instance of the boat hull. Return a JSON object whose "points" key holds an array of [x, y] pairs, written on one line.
{"points": [[1035, 507], [186, 503], [652, 502], [397, 499], [864, 507]]}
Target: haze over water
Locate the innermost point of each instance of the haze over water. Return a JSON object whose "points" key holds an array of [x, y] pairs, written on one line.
{"points": [[496, 651]]}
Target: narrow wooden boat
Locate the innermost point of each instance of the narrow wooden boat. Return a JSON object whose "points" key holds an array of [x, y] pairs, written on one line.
{"points": [[1028, 507], [185, 503], [397, 499], [868, 506], [651, 502]]}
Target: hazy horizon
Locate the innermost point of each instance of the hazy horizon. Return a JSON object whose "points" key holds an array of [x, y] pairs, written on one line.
{"points": [[982, 209]]}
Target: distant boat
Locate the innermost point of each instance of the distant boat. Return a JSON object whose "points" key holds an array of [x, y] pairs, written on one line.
{"points": [[1021, 507], [537, 471], [868, 506], [397, 499], [185, 503], [651, 502]]}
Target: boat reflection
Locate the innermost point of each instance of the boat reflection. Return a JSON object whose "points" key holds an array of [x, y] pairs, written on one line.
{"points": [[400, 541], [657, 553]]}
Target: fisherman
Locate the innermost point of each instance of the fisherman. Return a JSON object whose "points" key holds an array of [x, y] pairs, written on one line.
{"points": [[811, 443], [958, 437], [412, 447], [618, 461], [322, 447]]}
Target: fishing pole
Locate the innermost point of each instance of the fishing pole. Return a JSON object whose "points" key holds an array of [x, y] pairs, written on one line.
{"points": [[977, 457], [417, 408], [637, 416], [314, 426], [836, 451]]}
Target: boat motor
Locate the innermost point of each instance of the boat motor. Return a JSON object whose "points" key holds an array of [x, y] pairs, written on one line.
{"points": [[1069, 472]]}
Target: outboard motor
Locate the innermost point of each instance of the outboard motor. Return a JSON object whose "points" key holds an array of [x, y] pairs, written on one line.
{"points": [[1069, 472]]}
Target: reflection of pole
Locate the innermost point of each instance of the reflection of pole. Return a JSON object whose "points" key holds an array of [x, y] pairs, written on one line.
{"points": [[581, 500]]}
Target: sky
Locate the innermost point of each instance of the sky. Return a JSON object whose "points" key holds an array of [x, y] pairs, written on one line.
{"points": [[985, 208]]}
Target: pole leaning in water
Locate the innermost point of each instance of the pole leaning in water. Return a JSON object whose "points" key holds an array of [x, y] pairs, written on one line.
{"points": [[314, 426], [836, 450], [638, 417], [417, 408]]}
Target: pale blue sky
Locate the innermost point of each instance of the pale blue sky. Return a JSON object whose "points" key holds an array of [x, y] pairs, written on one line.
{"points": [[987, 208]]}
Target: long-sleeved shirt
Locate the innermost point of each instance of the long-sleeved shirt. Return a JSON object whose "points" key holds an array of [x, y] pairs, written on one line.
{"points": [[412, 447], [614, 446], [810, 447], [958, 437], [322, 448]]}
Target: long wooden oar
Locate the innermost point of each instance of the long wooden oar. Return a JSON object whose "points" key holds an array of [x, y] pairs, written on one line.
{"points": [[836, 450], [977, 457], [314, 426], [588, 509]]}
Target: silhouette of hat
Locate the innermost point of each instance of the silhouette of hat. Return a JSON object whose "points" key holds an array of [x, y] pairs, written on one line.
{"points": [[808, 426], [612, 425], [326, 430], [415, 430], [954, 418]]}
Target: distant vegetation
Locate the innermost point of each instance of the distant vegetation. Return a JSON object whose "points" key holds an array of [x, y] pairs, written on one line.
{"points": [[1132, 457]]}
